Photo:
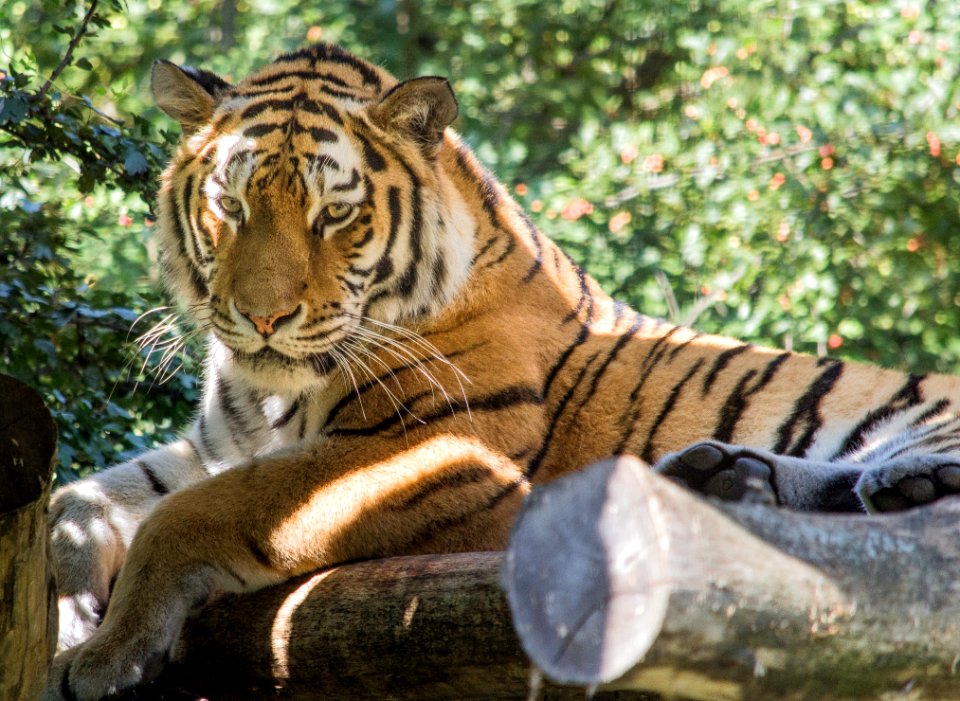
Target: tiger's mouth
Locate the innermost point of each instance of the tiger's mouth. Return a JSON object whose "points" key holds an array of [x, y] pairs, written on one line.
{"points": [[270, 358]]}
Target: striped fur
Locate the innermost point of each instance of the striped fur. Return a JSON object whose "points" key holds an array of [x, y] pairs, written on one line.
{"points": [[396, 354]]}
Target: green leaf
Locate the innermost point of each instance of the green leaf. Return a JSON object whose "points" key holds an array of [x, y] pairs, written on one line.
{"points": [[134, 163], [13, 110], [85, 64]]}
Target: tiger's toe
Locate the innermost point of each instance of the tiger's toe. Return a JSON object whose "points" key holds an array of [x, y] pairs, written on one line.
{"points": [[725, 472], [898, 487]]}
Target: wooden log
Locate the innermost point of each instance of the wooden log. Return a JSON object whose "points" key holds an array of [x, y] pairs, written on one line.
{"points": [[28, 597], [426, 627], [617, 577]]}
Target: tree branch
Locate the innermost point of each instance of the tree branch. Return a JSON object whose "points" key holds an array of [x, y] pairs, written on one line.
{"points": [[71, 47]]}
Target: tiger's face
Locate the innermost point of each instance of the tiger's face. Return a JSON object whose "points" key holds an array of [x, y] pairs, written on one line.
{"points": [[305, 213]]}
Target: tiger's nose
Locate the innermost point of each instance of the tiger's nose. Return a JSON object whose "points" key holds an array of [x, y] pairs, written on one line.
{"points": [[266, 326]]}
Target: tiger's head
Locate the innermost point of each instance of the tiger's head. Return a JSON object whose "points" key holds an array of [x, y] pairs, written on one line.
{"points": [[305, 209]]}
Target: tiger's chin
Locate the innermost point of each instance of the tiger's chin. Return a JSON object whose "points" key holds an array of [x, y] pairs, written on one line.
{"points": [[271, 371]]}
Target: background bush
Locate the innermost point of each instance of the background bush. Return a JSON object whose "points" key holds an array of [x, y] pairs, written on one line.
{"points": [[781, 171]]}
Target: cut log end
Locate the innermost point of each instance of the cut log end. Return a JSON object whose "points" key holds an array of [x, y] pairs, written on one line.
{"points": [[582, 571], [28, 440]]}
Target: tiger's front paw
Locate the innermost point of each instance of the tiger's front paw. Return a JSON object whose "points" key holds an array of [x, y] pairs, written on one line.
{"points": [[731, 473], [102, 668], [908, 482]]}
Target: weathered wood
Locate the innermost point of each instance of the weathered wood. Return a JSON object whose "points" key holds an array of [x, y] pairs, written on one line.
{"points": [[28, 602], [425, 627], [617, 577]]}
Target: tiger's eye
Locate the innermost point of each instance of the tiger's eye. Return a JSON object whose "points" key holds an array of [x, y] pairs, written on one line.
{"points": [[231, 205], [336, 212]]}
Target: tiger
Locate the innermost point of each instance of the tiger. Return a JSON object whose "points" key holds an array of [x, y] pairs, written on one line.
{"points": [[396, 356]]}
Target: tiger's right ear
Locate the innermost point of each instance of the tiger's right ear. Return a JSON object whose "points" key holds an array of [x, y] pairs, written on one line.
{"points": [[186, 94]]}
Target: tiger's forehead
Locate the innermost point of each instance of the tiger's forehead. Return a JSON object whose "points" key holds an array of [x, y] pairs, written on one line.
{"points": [[244, 162], [293, 119]]}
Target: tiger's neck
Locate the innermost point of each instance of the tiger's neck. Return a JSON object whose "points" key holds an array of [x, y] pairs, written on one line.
{"points": [[510, 253]]}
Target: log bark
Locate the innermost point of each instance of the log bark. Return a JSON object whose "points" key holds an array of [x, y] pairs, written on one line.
{"points": [[618, 578], [28, 598], [425, 627]]}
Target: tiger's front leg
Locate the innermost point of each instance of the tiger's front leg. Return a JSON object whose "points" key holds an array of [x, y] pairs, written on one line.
{"points": [[277, 517], [93, 521]]}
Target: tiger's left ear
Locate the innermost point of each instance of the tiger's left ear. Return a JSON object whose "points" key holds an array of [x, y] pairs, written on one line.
{"points": [[187, 94], [419, 109]]}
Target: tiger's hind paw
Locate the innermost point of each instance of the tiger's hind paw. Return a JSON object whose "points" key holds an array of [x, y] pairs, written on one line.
{"points": [[731, 473], [901, 485]]}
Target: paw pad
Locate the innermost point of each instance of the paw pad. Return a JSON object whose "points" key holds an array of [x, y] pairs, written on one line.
{"points": [[709, 469], [919, 489]]}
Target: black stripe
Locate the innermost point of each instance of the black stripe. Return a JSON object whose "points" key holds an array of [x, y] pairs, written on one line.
{"points": [[502, 399], [265, 91], [373, 157], [439, 274], [668, 406], [918, 436], [907, 397], [286, 75], [736, 402], [490, 198], [155, 482], [193, 447], [679, 348], [720, 364], [258, 108], [287, 415], [586, 299], [196, 277], [940, 407], [343, 187], [385, 264], [367, 236], [188, 209], [258, 553], [537, 246], [258, 130], [233, 573], [471, 474], [235, 420], [333, 54], [352, 287], [483, 249], [323, 161], [621, 343], [408, 280], [302, 428], [391, 374], [650, 361], [806, 412], [447, 523], [205, 439], [318, 134], [510, 245], [536, 462]]}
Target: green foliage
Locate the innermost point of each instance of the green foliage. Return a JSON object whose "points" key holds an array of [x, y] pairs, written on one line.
{"points": [[781, 171]]}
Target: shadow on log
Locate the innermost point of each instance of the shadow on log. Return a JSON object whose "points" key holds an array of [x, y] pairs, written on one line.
{"points": [[28, 601], [617, 577], [425, 627]]}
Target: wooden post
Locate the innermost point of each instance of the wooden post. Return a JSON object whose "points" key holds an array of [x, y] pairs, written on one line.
{"points": [[616, 577], [28, 597]]}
